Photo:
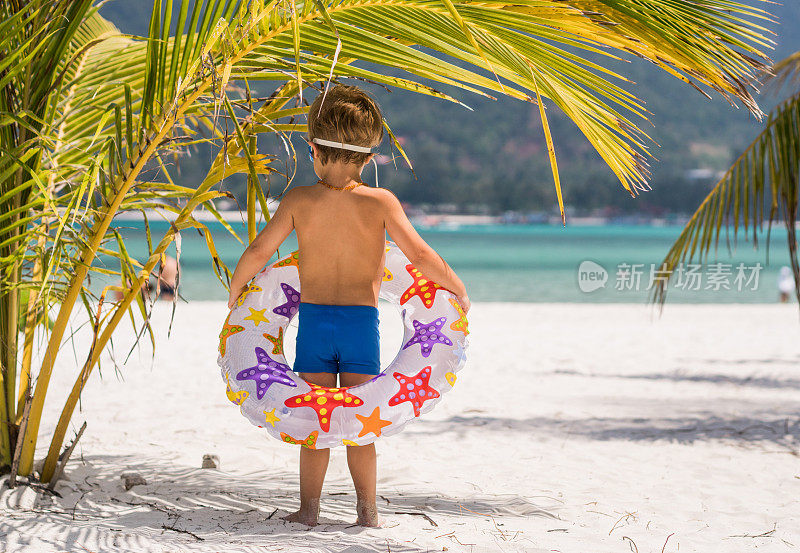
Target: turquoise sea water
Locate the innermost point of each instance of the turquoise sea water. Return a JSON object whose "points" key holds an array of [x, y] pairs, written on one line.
{"points": [[536, 263]]}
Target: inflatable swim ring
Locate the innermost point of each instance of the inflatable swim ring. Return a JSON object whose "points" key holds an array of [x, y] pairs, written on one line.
{"points": [[260, 381]]}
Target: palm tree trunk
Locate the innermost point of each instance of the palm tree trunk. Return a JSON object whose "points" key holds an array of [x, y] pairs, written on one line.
{"points": [[5, 425], [9, 304]]}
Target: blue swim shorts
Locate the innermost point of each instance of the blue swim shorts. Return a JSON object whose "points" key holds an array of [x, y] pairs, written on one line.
{"points": [[337, 338]]}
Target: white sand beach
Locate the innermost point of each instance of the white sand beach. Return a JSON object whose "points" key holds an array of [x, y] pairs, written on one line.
{"points": [[572, 428]]}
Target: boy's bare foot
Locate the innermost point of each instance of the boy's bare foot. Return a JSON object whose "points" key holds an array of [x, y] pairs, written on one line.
{"points": [[307, 514], [367, 514], [309, 519]]}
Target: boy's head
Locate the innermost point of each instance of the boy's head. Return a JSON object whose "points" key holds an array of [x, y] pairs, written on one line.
{"points": [[348, 115]]}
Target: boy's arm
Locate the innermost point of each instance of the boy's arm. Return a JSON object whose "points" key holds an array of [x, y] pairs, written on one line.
{"points": [[421, 255], [262, 248]]}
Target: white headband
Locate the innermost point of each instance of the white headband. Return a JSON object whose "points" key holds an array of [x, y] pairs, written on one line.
{"points": [[342, 145]]}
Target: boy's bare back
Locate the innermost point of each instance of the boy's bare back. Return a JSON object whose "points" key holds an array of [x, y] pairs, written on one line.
{"points": [[341, 237]]}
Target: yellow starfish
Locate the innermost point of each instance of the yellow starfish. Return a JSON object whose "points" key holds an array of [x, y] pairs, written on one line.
{"points": [[235, 397], [257, 316], [271, 417], [250, 289]]}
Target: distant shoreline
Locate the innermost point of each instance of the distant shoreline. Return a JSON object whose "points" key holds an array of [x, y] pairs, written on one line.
{"points": [[442, 221], [452, 221]]}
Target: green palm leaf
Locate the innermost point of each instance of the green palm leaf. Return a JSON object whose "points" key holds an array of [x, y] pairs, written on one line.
{"points": [[759, 188]]}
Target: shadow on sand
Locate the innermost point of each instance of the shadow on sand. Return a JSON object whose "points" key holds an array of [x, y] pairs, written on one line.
{"points": [[778, 429], [190, 509], [710, 378]]}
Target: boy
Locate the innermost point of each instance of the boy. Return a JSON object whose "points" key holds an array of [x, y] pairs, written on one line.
{"points": [[341, 231]]}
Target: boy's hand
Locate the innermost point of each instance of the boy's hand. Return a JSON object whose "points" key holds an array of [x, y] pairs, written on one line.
{"points": [[464, 302], [234, 295]]}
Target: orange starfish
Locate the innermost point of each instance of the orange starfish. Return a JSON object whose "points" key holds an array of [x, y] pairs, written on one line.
{"points": [[324, 401], [293, 259], [422, 287], [228, 330], [277, 341], [310, 442], [461, 325], [372, 423]]}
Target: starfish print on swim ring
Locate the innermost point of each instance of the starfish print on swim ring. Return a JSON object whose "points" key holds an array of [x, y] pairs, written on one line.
{"points": [[257, 316], [277, 341], [227, 331], [461, 324], [310, 442], [271, 417], [289, 308], [324, 401], [266, 373], [292, 260], [428, 334], [460, 353], [422, 287], [373, 423], [235, 397], [250, 289], [414, 389]]}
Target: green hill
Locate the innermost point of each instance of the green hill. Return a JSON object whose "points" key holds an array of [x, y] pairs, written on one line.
{"points": [[494, 158]]}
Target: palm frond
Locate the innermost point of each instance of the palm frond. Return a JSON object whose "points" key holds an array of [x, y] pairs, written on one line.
{"points": [[787, 71], [760, 187]]}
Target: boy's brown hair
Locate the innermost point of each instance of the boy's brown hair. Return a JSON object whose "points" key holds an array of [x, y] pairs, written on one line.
{"points": [[348, 115]]}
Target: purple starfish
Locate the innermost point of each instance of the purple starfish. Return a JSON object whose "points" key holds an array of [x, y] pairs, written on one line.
{"points": [[428, 334], [289, 308], [267, 372]]}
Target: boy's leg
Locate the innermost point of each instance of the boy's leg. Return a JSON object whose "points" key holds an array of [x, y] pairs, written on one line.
{"points": [[362, 462], [313, 465]]}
